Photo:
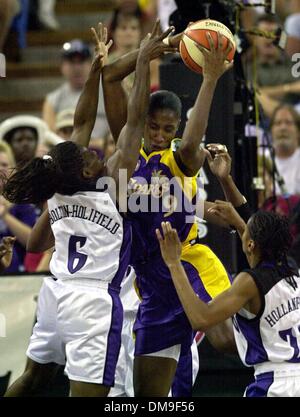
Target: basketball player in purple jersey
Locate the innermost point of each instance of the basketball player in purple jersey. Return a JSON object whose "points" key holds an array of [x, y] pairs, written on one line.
{"points": [[162, 330]]}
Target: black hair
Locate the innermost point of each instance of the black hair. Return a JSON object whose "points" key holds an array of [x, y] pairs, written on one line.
{"points": [[165, 100], [119, 15], [269, 18], [9, 135], [41, 178], [271, 232]]}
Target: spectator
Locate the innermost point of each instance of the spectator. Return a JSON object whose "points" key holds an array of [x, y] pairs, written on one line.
{"points": [[285, 129], [22, 133], [64, 124], [274, 68], [292, 28], [75, 66], [126, 33], [7, 161], [285, 205], [8, 10], [46, 14], [15, 220]]}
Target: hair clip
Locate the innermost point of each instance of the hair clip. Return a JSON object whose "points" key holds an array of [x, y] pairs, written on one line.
{"points": [[47, 157]]}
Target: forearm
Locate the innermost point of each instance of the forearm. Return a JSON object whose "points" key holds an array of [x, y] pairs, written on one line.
{"points": [[115, 97], [277, 92], [139, 97], [41, 237], [86, 109], [231, 191], [130, 137], [194, 308], [120, 68], [43, 265], [19, 229], [197, 123], [115, 101]]}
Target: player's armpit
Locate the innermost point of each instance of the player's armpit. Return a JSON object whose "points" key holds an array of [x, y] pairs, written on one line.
{"points": [[242, 293]]}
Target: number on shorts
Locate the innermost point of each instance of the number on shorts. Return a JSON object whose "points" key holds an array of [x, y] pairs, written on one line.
{"points": [[76, 260], [288, 335]]}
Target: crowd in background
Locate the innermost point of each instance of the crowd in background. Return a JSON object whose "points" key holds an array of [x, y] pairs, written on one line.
{"points": [[22, 137]]}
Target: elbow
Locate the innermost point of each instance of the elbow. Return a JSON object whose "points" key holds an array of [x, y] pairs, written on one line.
{"points": [[198, 324], [31, 247]]}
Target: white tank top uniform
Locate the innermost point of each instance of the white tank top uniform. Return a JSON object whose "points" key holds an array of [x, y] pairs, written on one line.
{"points": [[270, 341], [80, 315]]}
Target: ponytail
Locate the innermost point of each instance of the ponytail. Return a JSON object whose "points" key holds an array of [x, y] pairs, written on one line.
{"points": [[35, 183], [60, 172]]}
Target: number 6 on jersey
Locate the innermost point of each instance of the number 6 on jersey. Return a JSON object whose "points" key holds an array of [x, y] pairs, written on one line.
{"points": [[76, 260]]}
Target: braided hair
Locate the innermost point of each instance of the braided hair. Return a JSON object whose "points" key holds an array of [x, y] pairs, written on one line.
{"points": [[41, 178], [271, 232]]}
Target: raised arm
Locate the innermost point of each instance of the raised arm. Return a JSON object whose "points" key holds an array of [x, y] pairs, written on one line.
{"points": [[203, 316], [129, 141], [189, 152], [41, 237], [115, 97], [86, 109]]}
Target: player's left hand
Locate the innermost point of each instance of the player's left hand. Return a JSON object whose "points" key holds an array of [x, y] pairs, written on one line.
{"points": [[218, 159], [215, 59], [102, 46], [170, 245], [227, 212]]}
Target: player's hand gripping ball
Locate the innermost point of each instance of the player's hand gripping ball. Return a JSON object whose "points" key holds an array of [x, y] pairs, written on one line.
{"points": [[196, 32]]}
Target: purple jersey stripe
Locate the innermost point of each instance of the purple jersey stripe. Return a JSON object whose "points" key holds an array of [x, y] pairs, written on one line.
{"points": [[256, 352], [183, 381], [124, 256], [114, 338], [260, 387]]}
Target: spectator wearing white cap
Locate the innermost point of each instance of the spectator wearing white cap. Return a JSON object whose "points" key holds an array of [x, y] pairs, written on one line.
{"points": [[15, 219], [23, 133], [64, 123]]}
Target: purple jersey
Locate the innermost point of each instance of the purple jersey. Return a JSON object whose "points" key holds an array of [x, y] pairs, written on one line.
{"points": [[159, 191], [27, 214]]}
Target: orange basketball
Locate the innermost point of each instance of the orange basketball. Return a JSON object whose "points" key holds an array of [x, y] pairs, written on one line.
{"points": [[191, 55]]}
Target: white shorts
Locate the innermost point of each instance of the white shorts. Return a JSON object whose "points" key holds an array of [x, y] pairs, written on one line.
{"points": [[172, 352], [78, 326], [275, 384]]}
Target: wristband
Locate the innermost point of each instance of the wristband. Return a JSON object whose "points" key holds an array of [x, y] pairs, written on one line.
{"points": [[244, 211]]}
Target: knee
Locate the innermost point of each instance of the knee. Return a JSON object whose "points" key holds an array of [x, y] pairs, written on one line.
{"points": [[37, 376]]}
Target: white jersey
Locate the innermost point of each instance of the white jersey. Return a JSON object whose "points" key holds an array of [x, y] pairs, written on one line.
{"points": [[271, 339], [92, 240]]}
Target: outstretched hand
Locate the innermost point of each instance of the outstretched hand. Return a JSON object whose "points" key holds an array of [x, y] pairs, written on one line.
{"points": [[218, 159], [215, 58], [170, 245], [152, 46], [102, 46], [227, 212]]}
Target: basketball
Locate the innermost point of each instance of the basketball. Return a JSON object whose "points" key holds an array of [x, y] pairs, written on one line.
{"points": [[191, 55]]}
